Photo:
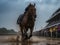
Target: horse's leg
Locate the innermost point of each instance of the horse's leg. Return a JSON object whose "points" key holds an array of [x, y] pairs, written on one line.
{"points": [[25, 33], [31, 30], [21, 29], [22, 33]]}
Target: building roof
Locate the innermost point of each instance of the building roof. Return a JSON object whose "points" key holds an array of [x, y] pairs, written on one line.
{"points": [[54, 14], [52, 25]]}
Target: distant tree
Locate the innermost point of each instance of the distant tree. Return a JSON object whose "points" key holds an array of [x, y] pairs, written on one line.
{"points": [[5, 31]]}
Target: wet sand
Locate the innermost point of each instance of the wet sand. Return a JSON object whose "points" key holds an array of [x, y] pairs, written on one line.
{"points": [[11, 40]]}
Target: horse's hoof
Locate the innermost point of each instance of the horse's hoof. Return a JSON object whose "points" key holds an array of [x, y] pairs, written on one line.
{"points": [[25, 38], [29, 36]]}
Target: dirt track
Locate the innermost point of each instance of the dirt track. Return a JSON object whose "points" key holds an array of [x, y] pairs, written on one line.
{"points": [[34, 39]]}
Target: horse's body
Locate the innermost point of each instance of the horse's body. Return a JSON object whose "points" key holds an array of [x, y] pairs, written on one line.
{"points": [[28, 21]]}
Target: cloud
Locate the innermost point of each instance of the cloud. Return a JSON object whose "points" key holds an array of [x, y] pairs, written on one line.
{"points": [[52, 2], [11, 9], [10, 5]]}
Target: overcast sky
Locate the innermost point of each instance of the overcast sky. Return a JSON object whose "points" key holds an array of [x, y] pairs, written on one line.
{"points": [[11, 9]]}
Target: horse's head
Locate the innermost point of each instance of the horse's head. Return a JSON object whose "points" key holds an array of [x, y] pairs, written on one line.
{"points": [[32, 9]]}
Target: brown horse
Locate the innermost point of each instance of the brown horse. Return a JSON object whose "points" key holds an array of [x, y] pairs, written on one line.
{"points": [[28, 21]]}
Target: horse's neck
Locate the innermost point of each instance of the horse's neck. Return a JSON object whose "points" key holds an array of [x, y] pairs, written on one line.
{"points": [[26, 15], [25, 18]]}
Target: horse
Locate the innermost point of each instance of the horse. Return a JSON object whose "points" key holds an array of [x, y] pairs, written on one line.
{"points": [[28, 21]]}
